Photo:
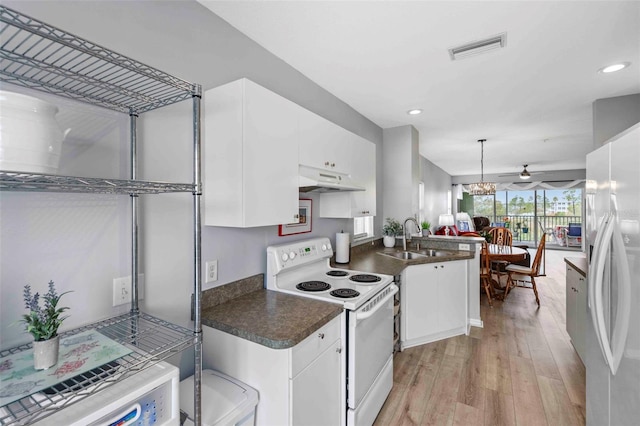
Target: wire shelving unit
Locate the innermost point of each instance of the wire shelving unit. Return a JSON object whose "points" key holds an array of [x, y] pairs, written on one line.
{"points": [[39, 56]]}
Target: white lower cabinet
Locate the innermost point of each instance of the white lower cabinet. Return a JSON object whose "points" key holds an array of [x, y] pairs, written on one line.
{"points": [[576, 306], [302, 385], [433, 302], [316, 379]]}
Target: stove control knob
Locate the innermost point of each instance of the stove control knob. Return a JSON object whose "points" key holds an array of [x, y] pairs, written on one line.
{"points": [[285, 257], [292, 255], [324, 247]]}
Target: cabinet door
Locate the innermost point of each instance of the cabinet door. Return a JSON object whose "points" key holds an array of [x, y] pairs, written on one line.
{"points": [[362, 155], [270, 169], [452, 295], [316, 392], [250, 157], [419, 301], [571, 298], [580, 328], [322, 144], [363, 171]]}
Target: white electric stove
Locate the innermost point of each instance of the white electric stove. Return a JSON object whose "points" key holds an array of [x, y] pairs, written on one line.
{"points": [[302, 268]]}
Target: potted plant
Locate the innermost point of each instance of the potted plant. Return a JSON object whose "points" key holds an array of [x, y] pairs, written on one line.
{"points": [[487, 236], [390, 230], [426, 226], [43, 323]]}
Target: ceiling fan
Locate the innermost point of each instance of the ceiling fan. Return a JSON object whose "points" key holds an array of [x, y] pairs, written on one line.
{"points": [[524, 174]]}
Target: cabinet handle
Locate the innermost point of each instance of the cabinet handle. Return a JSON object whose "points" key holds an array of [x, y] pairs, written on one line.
{"points": [[326, 163], [339, 350], [296, 216], [321, 335], [333, 164]]}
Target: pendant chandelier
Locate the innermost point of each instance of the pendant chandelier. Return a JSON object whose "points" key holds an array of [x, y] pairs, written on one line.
{"points": [[482, 187]]}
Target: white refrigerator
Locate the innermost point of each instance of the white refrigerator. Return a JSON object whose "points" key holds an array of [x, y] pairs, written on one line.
{"points": [[612, 222]]}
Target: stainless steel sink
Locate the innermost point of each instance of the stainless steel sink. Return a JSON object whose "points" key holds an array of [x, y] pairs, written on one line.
{"points": [[434, 253], [418, 254], [404, 255]]}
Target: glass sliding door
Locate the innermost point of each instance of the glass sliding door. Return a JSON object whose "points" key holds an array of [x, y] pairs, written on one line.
{"points": [[529, 214]]}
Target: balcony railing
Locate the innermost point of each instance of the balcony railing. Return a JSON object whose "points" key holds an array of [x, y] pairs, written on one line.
{"points": [[529, 229]]}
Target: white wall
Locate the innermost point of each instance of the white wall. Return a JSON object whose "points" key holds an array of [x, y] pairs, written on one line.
{"points": [[436, 184], [401, 172], [82, 242]]}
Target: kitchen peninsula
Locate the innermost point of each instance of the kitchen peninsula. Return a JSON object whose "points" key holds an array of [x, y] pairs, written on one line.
{"points": [[439, 291]]}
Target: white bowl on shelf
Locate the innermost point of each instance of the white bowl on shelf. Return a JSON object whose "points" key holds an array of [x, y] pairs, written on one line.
{"points": [[30, 137]]}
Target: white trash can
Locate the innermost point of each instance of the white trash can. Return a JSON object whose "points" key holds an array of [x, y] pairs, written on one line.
{"points": [[225, 400]]}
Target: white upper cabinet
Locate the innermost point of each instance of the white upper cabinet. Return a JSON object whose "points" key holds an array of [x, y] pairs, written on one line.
{"points": [[323, 144], [362, 157], [250, 156]]}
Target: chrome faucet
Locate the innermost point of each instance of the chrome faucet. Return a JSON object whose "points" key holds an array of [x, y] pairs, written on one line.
{"points": [[404, 231]]}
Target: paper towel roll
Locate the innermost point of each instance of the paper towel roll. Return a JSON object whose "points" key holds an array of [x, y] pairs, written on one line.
{"points": [[342, 247]]}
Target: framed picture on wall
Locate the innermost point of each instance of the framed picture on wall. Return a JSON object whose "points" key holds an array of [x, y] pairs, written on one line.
{"points": [[303, 224]]}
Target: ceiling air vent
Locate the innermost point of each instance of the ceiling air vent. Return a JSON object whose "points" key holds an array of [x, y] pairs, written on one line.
{"points": [[479, 46]]}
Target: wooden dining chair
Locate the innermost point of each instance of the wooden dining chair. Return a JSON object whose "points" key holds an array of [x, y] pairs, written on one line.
{"points": [[500, 236], [485, 272], [523, 272]]}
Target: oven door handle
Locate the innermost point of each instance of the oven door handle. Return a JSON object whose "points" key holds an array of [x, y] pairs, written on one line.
{"points": [[377, 304]]}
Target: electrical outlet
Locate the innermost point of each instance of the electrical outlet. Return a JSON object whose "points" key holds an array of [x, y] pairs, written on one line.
{"points": [[122, 289], [211, 271], [466, 247]]}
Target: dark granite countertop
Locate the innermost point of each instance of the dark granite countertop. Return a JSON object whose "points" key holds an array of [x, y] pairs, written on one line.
{"points": [[369, 258], [579, 264], [270, 318]]}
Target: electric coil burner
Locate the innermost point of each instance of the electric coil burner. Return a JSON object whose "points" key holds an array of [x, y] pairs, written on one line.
{"points": [[313, 286], [337, 273], [365, 278], [345, 293]]}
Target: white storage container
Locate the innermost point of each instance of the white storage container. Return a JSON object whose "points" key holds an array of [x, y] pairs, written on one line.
{"points": [[225, 400]]}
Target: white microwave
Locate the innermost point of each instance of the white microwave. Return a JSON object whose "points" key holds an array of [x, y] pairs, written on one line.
{"points": [[149, 397]]}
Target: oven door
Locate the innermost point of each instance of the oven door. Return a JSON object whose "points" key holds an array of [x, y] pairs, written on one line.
{"points": [[370, 343]]}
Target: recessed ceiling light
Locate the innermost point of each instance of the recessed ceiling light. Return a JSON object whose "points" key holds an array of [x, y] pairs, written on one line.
{"points": [[414, 111], [614, 67]]}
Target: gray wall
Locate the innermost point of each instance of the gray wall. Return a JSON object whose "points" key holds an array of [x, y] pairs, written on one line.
{"points": [[613, 115], [82, 242]]}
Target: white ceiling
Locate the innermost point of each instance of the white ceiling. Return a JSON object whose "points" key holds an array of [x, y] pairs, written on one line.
{"points": [[531, 100]]}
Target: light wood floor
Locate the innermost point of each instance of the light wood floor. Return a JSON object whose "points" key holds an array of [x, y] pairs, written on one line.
{"points": [[520, 369]]}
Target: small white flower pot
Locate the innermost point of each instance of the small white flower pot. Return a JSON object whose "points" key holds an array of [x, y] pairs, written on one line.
{"points": [[45, 353], [389, 241]]}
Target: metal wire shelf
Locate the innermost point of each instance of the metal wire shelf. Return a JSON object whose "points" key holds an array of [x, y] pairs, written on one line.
{"points": [[151, 339], [39, 56], [36, 182]]}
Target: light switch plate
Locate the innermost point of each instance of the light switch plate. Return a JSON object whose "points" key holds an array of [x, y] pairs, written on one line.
{"points": [[122, 289]]}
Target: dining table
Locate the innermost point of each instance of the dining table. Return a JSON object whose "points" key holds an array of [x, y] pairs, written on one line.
{"points": [[509, 254], [504, 253]]}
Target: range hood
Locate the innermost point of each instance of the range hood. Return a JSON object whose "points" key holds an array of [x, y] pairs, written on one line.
{"points": [[312, 179]]}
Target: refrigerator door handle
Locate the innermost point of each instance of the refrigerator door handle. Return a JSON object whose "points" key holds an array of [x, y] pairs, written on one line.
{"points": [[595, 289], [623, 311], [596, 272], [594, 260], [613, 355]]}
